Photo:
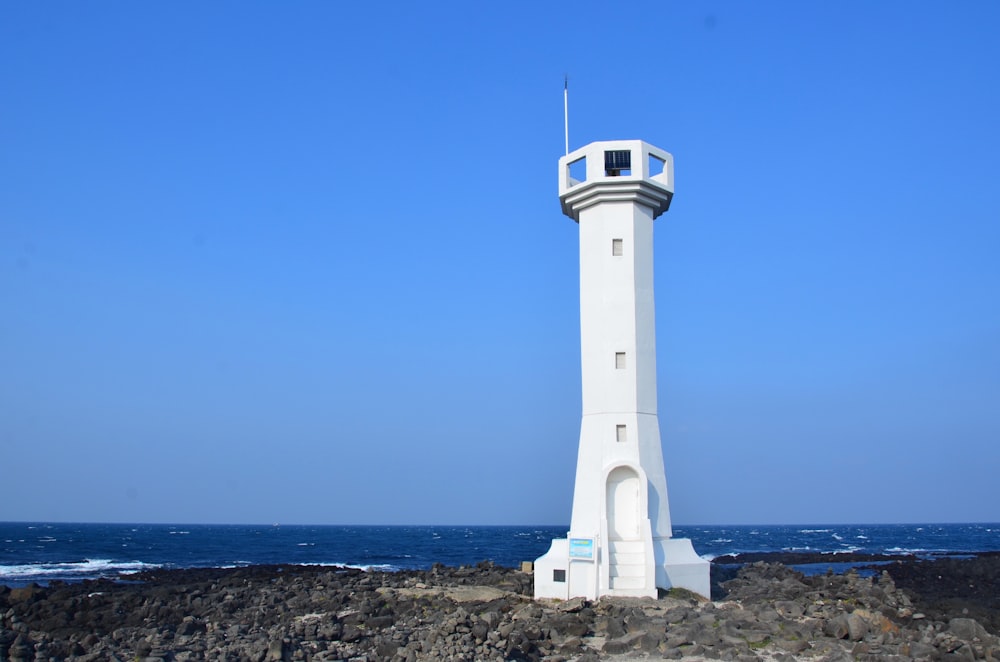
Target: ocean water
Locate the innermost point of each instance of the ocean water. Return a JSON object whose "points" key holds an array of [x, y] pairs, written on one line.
{"points": [[43, 552]]}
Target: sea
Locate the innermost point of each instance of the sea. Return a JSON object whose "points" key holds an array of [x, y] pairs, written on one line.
{"points": [[36, 552]]}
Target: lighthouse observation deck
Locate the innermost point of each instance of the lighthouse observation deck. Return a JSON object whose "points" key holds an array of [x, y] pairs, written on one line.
{"points": [[616, 170]]}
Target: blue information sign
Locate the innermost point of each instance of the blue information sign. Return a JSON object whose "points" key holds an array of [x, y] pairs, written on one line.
{"points": [[581, 548]]}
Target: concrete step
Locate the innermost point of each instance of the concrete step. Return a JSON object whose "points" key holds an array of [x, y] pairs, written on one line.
{"points": [[627, 559], [619, 583], [627, 571], [627, 568]]}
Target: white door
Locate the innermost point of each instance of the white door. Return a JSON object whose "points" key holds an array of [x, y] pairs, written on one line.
{"points": [[623, 504]]}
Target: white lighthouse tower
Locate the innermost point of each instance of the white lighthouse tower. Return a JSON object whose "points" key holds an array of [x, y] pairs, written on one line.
{"points": [[620, 540]]}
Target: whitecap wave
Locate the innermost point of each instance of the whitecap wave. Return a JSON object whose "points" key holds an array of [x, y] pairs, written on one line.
{"points": [[374, 567], [86, 569], [815, 530]]}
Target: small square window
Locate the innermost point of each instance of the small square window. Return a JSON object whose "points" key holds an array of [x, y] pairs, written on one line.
{"points": [[620, 433], [559, 576], [616, 248], [619, 360]]}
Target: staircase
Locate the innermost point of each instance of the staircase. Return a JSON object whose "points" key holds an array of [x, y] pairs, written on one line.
{"points": [[627, 566]]}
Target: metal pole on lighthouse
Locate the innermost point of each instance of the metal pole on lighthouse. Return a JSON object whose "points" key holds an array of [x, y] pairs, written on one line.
{"points": [[566, 109]]}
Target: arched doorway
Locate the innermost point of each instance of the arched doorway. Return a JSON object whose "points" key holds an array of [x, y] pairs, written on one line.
{"points": [[627, 562], [623, 504]]}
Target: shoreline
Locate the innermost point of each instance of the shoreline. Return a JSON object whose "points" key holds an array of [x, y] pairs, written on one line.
{"points": [[909, 608]]}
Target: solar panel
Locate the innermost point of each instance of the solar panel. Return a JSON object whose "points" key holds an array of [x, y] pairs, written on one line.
{"points": [[617, 160]]}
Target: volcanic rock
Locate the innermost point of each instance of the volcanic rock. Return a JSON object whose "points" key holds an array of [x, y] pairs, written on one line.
{"points": [[763, 611]]}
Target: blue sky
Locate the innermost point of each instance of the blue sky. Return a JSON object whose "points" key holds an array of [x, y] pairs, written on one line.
{"points": [[304, 262]]}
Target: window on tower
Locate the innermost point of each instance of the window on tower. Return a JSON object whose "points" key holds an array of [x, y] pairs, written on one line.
{"points": [[620, 433], [617, 247], [619, 360]]}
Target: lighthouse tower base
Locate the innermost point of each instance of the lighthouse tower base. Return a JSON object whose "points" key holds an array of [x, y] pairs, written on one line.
{"points": [[567, 571]]}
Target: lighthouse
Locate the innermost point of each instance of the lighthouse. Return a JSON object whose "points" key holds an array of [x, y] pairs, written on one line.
{"points": [[620, 540]]}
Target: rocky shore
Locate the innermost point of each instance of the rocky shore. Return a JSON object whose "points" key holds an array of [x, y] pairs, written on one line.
{"points": [[908, 610]]}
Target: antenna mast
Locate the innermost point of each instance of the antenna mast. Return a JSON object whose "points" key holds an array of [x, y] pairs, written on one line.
{"points": [[566, 109]]}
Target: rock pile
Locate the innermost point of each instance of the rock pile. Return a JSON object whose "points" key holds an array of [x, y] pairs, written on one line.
{"points": [[272, 613], [955, 586]]}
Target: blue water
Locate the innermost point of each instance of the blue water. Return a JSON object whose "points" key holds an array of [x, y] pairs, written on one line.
{"points": [[44, 552]]}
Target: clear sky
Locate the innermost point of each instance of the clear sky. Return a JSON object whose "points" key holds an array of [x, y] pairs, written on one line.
{"points": [[304, 262]]}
